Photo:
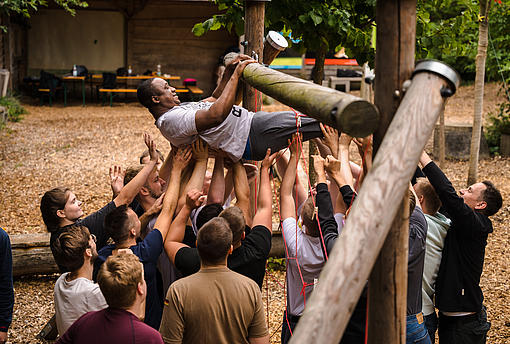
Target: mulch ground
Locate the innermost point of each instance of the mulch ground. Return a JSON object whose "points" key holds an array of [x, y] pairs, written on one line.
{"points": [[75, 146]]}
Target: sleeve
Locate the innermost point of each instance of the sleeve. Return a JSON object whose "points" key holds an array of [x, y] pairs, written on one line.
{"points": [[289, 232], [258, 327], [327, 220], [151, 247], [452, 202], [417, 234], [187, 261], [172, 321], [418, 173], [348, 195], [258, 242], [6, 287], [94, 222], [179, 123]]}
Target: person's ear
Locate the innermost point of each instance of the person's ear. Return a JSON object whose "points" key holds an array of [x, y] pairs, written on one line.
{"points": [[231, 250], [144, 191], [155, 99], [243, 235], [88, 252], [420, 199], [481, 205], [61, 213], [139, 288], [132, 231]]}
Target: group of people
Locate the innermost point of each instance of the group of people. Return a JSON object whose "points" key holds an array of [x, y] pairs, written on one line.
{"points": [[170, 259]]}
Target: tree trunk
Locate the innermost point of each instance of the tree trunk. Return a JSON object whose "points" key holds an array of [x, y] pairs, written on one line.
{"points": [[481, 56]]}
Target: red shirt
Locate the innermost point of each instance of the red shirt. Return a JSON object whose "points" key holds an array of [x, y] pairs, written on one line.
{"points": [[110, 326]]}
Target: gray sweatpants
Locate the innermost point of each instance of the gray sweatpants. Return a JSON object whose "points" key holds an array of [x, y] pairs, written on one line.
{"points": [[273, 129]]}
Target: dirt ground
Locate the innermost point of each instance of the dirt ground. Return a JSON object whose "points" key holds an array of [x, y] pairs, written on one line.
{"points": [[75, 146]]}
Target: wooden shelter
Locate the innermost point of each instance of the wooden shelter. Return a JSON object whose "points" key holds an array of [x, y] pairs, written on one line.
{"points": [[111, 34]]}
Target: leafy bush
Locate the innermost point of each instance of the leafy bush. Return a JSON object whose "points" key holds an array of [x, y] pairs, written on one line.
{"points": [[498, 123], [14, 108], [276, 264]]}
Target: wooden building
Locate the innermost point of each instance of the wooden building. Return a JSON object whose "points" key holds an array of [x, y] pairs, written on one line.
{"points": [[111, 34]]}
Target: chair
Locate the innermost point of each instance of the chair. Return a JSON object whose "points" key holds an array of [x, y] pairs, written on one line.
{"points": [[48, 86], [109, 82]]}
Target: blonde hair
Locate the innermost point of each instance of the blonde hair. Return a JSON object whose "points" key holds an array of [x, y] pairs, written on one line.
{"points": [[118, 279]]}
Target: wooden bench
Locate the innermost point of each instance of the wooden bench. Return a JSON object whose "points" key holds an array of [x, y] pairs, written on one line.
{"points": [[47, 91], [196, 93], [335, 81]]}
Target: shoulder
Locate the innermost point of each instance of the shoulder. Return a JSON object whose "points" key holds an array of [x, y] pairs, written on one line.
{"points": [[146, 333], [4, 237]]}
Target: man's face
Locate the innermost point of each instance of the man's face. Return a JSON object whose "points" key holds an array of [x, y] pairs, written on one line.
{"points": [[72, 209], [165, 94], [134, 221], [154, 184], [93, 248], [473, 196]]}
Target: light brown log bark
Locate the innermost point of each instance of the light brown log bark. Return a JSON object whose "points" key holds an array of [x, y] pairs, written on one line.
{"points": [[31, 254], [481, 56], [349, 265], [352, 115]]}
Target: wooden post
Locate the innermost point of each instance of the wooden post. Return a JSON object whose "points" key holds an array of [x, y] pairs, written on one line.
{"points": [[373, 213], [352, 115], [273, 45]]}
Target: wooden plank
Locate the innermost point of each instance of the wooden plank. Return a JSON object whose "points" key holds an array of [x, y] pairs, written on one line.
{"points": [[343, 277], [195, 90]]}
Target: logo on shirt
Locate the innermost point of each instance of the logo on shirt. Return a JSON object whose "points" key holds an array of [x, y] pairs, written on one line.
{"points": [[236, 111]]}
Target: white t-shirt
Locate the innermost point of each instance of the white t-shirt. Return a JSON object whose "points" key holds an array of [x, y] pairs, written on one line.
{"points": [[178, 126], [75, 298], [310, 258]]}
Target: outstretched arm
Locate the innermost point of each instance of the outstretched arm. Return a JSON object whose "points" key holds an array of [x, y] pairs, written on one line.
{"points": [[131, 189], [200, 154], [330, 138], [263, 217], [242, 191], [287, 204], [217, 187], [173, 241], [116, 180], [216, 114], [181, 159]]}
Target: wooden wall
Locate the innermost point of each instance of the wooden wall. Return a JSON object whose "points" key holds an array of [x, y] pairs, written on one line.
{"points": [[161, 34]]}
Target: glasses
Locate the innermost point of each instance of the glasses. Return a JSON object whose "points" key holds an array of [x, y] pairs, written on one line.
{"points": [[93, 237]]}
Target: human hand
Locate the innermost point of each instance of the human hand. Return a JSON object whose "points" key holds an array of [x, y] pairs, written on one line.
{"points": [[332, 165], [116, 179], [318, 165], [194, 199], [295, 143], [251, 171], [3, 337], [268, 159], [200, 150], [345, 140], [151, 145], [156, 206], [181, 158], [330, 137], [364, 145], [241, 65]]}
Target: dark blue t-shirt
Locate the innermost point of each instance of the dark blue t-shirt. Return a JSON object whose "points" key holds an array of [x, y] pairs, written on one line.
{"points": [[148, 251]]}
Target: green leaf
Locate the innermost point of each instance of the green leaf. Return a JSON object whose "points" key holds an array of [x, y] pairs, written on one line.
{"points": [[198, 29], [315, 18]]}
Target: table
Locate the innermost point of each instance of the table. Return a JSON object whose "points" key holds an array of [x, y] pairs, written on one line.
{"points": [[139, 77], [73, 78]]}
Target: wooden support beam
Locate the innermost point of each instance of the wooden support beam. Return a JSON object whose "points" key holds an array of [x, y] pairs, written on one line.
{"points": [[349, 265], [352, 115], [394, 63]]}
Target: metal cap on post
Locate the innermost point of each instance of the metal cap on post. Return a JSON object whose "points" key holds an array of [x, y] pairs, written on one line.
{"points": [[441, 69], [273, 45]]}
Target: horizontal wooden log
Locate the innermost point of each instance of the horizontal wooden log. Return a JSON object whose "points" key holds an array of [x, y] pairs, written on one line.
{"points": [[354, 254], [31, 253], [349, 114]]}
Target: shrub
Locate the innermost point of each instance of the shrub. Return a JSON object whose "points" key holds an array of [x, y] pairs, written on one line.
{"points": [[498, 123], [14, 108]]}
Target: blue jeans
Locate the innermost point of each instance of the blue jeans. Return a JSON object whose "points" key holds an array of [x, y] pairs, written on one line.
{"points": [[415, 331], [431, 321]]}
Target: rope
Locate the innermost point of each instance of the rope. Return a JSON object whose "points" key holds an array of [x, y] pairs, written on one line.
{"points": [[499, 67]]}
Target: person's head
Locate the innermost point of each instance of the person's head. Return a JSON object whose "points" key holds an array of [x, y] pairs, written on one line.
{"points": [[427, 196], [153, 186], [483, 197], [236, 222], [156, 92], [121, 281], [214, 242], [208, 212], [309, 217], [122, 224], [145, 158], [74, 247], [58, 205]]}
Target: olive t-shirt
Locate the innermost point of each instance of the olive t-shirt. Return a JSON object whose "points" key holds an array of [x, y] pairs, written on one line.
{"points": [[215, 305]]}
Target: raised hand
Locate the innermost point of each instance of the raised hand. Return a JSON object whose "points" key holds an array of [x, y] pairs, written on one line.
{"points": [[332, 165], [268, 159], [318, 165], [345, 140], [330, 138], [200, 150], [194, 199], [182, 158], [116, 179], [297, 138], [156, 206], [151, 145]]}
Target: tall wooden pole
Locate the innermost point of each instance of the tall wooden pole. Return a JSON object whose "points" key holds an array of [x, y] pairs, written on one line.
{"points": [[394, 63]]}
